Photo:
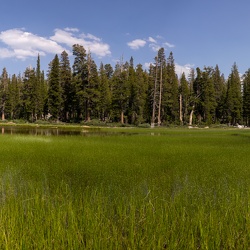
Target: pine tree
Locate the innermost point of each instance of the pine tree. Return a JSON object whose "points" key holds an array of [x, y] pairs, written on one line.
{"points": [[13, 98], [133, 92], [38, 91], [155, 90], [159, 86], [80, 78], [234, 97], [68, 93], [121, 92], [45, 87], [54, 90], [91, 92], [220, 91], [246, 98], [196, 99], [193, 97], [208, 96], [171, 93], [184, 99], [109, 70], [150, 96], [3, 91], [141, 88], [162, 66], [28, 94], [105, 92]]}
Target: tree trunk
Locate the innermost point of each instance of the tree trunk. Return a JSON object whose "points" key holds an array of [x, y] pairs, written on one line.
{"points": [[3, 116], [122, 117], [185, 113], [159, 105], [191, 116], [181, 115], [87, 111], [154, 99]]}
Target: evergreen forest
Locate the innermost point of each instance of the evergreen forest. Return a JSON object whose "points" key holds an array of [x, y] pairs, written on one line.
{"points": [[126, 94]]}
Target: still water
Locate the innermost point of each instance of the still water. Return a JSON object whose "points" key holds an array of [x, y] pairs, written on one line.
{"points": [[48, 131]]}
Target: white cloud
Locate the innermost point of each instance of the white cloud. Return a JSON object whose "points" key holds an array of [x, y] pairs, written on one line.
{"points": [[65, 37], [6, 53], [156, 44], [22, 44], [147, 65], [159, 37], [91, 37], [152, 40], [154, 47], [24, 53], [179, 69], [169, 45], [72, 29], [89, 42], [136, 44]]}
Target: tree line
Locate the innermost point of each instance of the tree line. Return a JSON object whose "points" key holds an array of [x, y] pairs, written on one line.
{"points": [[126, 94]]}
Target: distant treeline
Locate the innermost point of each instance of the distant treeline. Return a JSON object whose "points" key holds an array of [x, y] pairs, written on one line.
{"points": [[126, 94]]}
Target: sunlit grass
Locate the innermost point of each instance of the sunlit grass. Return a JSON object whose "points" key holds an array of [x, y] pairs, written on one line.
{"points": [[166, 189]]}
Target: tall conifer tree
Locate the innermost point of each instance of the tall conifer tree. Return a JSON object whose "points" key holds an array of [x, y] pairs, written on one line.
{"points": [[54, 90], [246, 98], [220, 92], [13, 99], [39, 91], [80, 78], [141, 88], [121, 92], [68, 94], [208, 96], [105, 93], [234, 97], [184, 99], [29, 94], [91, 93], [171, 93], [3, 91]]}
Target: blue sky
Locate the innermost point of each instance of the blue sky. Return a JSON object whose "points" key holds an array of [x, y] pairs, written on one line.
{"points": [[199, 33]]}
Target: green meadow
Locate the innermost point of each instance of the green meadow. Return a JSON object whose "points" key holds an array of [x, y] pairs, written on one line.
{"points": [[126, 189]]}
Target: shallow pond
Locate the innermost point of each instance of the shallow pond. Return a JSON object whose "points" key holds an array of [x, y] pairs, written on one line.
{"points": [[51, 131], [62, 131]]}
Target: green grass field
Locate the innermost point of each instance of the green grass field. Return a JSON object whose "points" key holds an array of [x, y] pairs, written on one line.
{"points": [[139, 189]]}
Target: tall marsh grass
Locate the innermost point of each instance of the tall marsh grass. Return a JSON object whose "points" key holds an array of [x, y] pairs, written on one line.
{"points": [[166, 189]]}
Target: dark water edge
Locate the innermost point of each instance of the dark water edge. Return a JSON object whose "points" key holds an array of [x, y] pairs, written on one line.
{"points": [[59, 131], [53, 131]]}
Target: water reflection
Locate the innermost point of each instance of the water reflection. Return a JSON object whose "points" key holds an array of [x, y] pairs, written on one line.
{"points": [[44, 131], [58, 131]]}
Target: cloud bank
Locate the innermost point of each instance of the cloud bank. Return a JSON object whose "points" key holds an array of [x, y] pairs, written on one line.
{"points": [[88, 41], [153, 43], [179, 69], [20, 44], [136, 44]]}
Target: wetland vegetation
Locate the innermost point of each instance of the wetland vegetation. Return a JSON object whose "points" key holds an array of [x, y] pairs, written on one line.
{"points": [[147, 189]]}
